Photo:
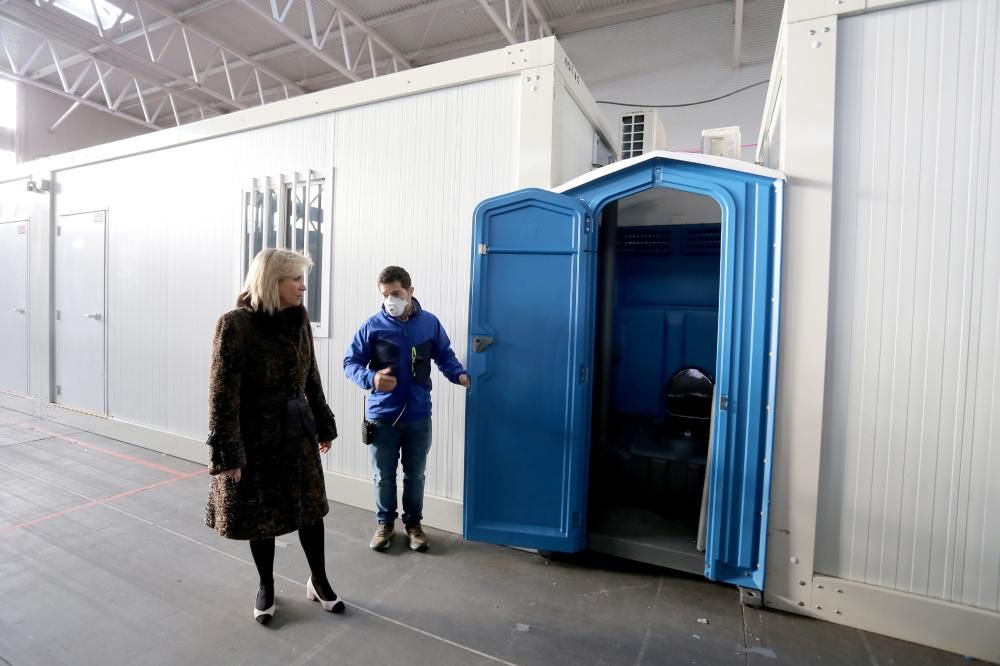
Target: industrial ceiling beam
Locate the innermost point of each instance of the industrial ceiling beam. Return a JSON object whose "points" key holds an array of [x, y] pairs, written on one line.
{"points": [[539, 17], [373, 35], [628, 11], [135, 34], [275, 19], [348, 29], [498, 21], [65, 89], [45, 18], [50, 43]]}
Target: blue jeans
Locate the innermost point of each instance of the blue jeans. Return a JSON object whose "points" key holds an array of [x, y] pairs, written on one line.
{"points": [[413, 440]]}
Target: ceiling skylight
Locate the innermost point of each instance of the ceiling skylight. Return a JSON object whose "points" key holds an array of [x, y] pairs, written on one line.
{"points": [[84, 9]]}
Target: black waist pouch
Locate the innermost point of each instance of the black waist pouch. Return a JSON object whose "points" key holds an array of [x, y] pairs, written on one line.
{"points": [[368, 431]]}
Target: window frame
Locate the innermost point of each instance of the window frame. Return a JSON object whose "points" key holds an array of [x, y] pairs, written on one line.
{"points": [[256, 209]]}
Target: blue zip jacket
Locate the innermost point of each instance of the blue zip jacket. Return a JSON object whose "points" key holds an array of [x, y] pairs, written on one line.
{"points": [[407, 347]]}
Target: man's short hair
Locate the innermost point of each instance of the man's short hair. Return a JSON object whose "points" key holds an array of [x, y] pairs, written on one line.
{"points": [[392, 274]]}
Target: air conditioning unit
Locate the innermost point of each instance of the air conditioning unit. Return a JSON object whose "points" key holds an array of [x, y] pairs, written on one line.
{"points": [[721, 141], [642, 132]]}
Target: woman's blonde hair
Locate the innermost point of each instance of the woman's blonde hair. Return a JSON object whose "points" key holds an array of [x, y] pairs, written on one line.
{"points": [[260, 291]]}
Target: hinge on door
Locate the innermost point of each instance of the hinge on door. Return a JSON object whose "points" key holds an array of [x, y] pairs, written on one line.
{"points": [[576, 519], [484, 248], [58, 230], [58, 315], [584, 374], [723, 402], [58, 389], [586, 224]]}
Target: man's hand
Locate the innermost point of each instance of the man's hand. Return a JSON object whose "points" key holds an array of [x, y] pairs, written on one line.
{"points": [[325, 446], [465, 380], [234, 474], [384, 381]]}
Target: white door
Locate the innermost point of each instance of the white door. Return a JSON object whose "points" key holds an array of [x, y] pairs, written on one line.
{"points": [[14, 307], [80, 317]]}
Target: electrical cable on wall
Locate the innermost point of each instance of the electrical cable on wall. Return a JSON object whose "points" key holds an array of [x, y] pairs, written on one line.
{"points": [[676, 106]]}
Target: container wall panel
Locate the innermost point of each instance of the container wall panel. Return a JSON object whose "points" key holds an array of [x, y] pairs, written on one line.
{"points": [[413, 208], [911, 450], [408, 173]]}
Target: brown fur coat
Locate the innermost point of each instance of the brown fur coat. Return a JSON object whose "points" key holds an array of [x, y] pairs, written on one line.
{"points": [[259, 363]]}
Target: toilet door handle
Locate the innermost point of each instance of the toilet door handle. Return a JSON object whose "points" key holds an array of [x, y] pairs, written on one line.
{"points": [[481, 342], [20, 310], [96, 316]]}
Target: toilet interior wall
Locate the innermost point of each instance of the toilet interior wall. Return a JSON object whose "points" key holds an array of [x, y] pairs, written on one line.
{"points": [[658, 294]]}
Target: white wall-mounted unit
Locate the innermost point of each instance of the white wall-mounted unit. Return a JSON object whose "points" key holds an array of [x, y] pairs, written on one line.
{"points": [[722, 142], [641, 132], [885, 117], [397, 165]]}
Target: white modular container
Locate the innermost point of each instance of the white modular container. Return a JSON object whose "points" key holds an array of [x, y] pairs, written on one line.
{"points": [[142, 243], [885, 117]]}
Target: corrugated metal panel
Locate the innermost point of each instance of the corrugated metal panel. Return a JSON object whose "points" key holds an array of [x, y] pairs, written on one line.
{"points": [[912, 434], [371, 9], [560, 8], [173, 242], [173, 229], [462, 147], [443, 28]]}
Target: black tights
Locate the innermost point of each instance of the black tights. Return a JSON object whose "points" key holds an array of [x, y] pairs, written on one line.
{"points": [[312, 539]]}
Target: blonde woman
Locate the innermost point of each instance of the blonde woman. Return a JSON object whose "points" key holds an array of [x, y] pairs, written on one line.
{"points": [[268, 423]]}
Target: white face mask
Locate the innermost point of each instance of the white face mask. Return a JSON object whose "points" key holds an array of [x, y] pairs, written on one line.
{"points": [[395, 306]]}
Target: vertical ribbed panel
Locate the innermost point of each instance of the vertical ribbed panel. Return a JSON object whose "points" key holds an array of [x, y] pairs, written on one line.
{"points": [[413, 208], [408, 173], [909, 497], [173, 241]]}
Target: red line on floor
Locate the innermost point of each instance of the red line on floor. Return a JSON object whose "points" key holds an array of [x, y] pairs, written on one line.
{"points": [[86, 505], [94, 447]]}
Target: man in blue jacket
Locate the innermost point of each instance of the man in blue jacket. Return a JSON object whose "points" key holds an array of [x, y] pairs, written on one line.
{"points": [[390, 356]]}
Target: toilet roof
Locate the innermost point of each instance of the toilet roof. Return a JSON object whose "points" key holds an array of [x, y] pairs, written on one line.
{"points": [[694, 158]]}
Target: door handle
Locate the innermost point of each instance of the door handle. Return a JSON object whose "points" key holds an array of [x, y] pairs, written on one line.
{"points": [[20, 310], [96, 316], [481, 342]]}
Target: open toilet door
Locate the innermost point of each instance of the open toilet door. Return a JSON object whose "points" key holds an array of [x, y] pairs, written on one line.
{"points": [[530, 355]]}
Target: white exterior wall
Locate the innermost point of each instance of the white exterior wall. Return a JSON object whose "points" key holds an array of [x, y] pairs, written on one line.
{"points": [[411, 154], [174, 238], [461, 147], [16, 203], [911, 448], [884, 116], [173, 246], [16, 211]]}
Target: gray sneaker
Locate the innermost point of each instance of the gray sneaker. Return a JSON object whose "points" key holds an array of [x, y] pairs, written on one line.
{"points": [[418, 540], [382, 538]]}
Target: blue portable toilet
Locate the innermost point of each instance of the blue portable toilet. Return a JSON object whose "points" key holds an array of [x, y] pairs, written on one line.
{"points": [[614, 362]]}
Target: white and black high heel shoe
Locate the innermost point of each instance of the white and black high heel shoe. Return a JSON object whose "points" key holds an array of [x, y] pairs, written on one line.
{"points": [[264, 616], [333, 606]]}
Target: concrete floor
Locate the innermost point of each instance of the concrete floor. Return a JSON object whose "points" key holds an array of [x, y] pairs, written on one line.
{"points": [[104, 560]]}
